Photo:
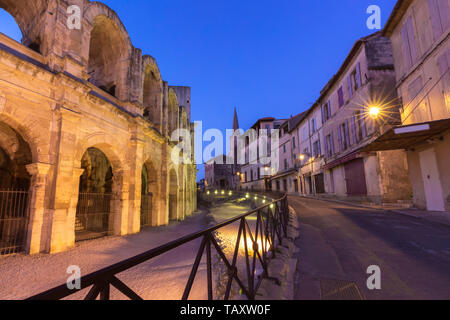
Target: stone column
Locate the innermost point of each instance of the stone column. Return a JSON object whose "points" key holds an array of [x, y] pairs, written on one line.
{"points": [[71, 216], [120, 203], [37, 205], [135, 159]]}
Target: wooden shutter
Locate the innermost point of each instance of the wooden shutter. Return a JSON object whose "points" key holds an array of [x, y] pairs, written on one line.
{"points": [[355, 138], [323, 113], [347, 133], [350, 88], [341, 96], [341, 147], [332, 143], [435, 18], [444, 12], [358, 76], [405, 47], [412, 40]]}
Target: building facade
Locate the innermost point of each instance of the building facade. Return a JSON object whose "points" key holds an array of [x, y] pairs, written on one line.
{"points": [[419, 33], [85, 126]]}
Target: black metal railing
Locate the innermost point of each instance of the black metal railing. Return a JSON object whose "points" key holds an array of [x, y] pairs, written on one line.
{"points": [[93, 216], [259, 247], [13, 220]]}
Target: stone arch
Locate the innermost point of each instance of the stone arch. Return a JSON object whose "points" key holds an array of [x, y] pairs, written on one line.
{"points": [[27, 15], [94, 218], [104, 143], [150, 194], [152, 90], [15, 183], [26, 134], [173, 111], [173, 195], [110, 50], [116, 193]]}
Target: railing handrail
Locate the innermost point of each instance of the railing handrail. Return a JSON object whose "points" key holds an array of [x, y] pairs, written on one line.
{"points": [[63, 291]]}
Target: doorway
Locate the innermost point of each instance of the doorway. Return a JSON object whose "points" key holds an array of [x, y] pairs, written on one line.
{"points": [[431, 182]]}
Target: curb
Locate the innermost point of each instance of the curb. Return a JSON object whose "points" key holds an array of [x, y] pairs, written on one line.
{"points": [[280, 285]]}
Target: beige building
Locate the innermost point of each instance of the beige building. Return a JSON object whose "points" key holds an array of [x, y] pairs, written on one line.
{"points": [[85, 125], [419, 32], [335, 130]]}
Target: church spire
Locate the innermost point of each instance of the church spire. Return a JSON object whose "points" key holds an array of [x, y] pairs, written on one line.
{"points": [[235, 120]]}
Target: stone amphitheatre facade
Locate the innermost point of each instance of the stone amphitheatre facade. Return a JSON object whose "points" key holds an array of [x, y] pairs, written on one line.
{"points": [[85, 125]]}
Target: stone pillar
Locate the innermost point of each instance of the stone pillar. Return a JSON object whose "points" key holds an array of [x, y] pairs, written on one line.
{"points": [[135, 159], [71, 216], [39, 173], [164, 189], [120, 203]]}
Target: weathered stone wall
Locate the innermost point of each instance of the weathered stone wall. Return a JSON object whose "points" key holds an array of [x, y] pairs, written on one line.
{"points": [[52, 99]]}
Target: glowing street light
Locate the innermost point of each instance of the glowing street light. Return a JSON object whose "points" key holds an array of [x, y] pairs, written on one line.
{"points": [[374, 112]]}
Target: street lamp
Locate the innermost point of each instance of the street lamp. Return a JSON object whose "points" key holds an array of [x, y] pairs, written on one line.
{"points": [[374, 112]]}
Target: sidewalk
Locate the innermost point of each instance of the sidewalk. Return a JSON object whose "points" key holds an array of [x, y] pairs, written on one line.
{"points": [[434, 216]]}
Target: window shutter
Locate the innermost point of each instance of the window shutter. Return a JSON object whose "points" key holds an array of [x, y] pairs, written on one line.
{"points": [[405, 47], [350, 88], [358, 76], [332, 143], [323, 114], [363, 126], [347, 133], [444, 12], [319, 147], [412, 41], [327, 138], [435, 18], [341, 148], [341, 96], [329, 109], [355, 139]]}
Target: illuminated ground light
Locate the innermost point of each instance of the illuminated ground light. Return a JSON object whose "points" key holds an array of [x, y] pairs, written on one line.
{"points": [[216, 192], [247, 196], [250, 246], [264, 201], [271, 206], [223, 192], [230, 193], [208, 193]]}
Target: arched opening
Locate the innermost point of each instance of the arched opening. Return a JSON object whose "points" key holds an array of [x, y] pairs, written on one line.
{"points": [[93, 216], [15, 155], [173, 196], [108, 52], [23, 13], [152, 94], [149, 196], [173, 111]]}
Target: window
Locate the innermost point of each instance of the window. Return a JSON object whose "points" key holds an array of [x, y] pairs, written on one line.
{"points": [[343, 136], [246, 177], [284, 148], [316, 149], [341, 96], [326, 112], [408, 44], [354, 80], [313, 125], [293, 143], [285, 164], [440, 17], [305, 136], [329, 145], [251, 175]]}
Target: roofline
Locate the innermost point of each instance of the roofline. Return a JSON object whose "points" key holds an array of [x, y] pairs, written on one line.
{"points": [[400, 7]]}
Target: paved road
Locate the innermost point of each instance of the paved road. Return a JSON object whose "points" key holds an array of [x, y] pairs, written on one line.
{"points": [[339, 242]]}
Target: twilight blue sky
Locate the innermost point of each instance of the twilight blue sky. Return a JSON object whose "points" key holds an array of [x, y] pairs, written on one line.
{"points": [[267, 58]]}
